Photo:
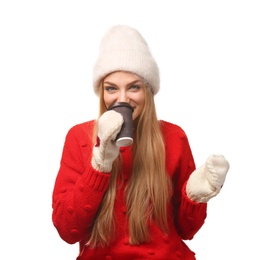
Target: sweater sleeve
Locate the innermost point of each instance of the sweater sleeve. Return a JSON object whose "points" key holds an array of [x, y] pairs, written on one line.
{"points": [[78, 189], [189, 215]]}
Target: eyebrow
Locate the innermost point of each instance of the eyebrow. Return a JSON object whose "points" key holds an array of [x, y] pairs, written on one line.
{"points": [[131, 83]]}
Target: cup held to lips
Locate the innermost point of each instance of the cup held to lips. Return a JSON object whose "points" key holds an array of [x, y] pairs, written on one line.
{"points": [[125, 136]]}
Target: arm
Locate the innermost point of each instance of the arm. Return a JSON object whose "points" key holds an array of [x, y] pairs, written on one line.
{"points": [[82, 179], [189, 215], [78, 189], [203, 184]]}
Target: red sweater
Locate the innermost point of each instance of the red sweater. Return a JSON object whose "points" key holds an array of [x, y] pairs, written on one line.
{"points": [[79, 189]]}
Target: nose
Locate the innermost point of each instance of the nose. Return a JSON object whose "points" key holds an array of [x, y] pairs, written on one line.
{"points": [[123, 97]]}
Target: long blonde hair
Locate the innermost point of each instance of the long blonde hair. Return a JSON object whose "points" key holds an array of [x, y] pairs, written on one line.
{"points": [[148, 191]]}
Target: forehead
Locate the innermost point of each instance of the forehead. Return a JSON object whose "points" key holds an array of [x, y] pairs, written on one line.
{"points": [[124, 75]]}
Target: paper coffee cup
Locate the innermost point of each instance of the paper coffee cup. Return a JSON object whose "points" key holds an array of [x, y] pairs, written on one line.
{"points": [[125, 136]]}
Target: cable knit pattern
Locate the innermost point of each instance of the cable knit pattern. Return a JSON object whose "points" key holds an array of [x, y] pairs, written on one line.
{"points": [[79, 189]]}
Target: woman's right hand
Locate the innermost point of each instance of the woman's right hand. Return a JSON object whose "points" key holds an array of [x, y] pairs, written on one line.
{"points": [[105, 150]]}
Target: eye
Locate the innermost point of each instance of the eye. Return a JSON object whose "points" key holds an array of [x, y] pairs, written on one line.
{"points": [[109, 88], [135, 87]]}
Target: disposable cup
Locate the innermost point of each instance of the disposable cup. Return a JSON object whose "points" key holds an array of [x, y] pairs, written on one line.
{"points": [[125, 136]]}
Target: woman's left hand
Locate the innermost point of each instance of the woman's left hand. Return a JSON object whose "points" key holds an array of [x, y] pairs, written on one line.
{"points": [[207, 181]]}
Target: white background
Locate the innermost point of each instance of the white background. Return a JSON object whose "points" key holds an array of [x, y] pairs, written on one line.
{"points": [[212, 63]]}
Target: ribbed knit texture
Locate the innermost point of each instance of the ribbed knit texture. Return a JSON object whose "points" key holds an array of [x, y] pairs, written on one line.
{"points": [[124, 48]]}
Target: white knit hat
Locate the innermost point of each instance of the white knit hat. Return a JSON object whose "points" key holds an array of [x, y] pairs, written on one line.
{"points": [[124, 49]]}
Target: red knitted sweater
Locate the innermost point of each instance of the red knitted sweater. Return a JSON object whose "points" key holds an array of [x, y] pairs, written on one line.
{"points": [[79, 189]]}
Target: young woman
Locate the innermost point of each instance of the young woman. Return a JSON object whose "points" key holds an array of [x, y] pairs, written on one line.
{"points": [[136, 202]]}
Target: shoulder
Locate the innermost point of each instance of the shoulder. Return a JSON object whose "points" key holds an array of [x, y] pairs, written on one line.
{"points": [[178, 151], [83, 127], [170, 130], [81, 131]]}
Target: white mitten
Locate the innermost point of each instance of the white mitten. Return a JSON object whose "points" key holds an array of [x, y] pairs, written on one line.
{"points": [[207, 181], [105, 151]]}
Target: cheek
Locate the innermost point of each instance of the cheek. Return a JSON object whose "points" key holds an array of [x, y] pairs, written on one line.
{"points": [[141, 103], [135, 114], [138, 110], [108, 100]]}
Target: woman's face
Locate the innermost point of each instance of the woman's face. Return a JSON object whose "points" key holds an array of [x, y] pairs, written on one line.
{"points": [[127, 87]]}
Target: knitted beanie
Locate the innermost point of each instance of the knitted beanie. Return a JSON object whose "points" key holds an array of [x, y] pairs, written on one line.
{"points": [[124, 49]]}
